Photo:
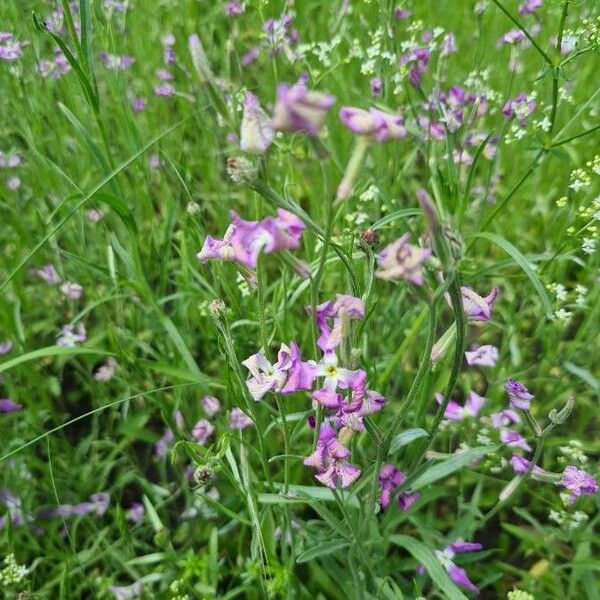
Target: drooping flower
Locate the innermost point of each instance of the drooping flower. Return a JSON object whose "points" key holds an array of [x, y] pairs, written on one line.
{"points": [[256, 131], [578, 482], [300, 109], [69, 337], [476, 307], [401, 260], [8, 406], [518, 394], [239, 420], [483, 356], [203, 429], [514, 439], [456, 412], [373, 123], [328, 460], [210, 405]]}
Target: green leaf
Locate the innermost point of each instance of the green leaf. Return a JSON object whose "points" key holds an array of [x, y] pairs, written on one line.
{"points": [[120, 208], [321, 549], [406, 437], [523, 263], [398, 215], [46, 352], [429, 560], [439, 470], [585, 375]]}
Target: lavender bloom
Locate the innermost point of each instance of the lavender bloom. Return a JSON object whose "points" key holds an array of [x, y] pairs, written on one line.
{"points": [[162, 446], [13, 183], [127, 592], [165, 90], [71, 290], [578, 482], [328, 459], [407, 499], [456, 412], [202, 431], [239, 420], [300, 374], [300, 109], [6, 347], [244, 240], [504, 418], [116, 63], [136, 512], [514, 439], [69, 338], [373, 123], [521, 466], [256, 132], [249, 57], [458, 574], [401, 14], [107, 371], [449, 45], [265, 376], [483, 356], [210, 405], [389, 478], [55, 68], [476, 307], [342, 310], [164, 75], [376, 86], [520, 107], [8, 406], [401, 260], [512, 37], [334, 377], [234, 8], [529, 7], [48, 274], [94, 215], [154, 161], [10, 49], [139, 104], [518, 394]]}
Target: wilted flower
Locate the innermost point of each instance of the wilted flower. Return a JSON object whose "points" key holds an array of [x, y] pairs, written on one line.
{"points": [[483, 356], [518, 394], [241, 170], [256, 132], [578, 482], [401, 260], [476, 307], [239, 420], [373, 123], [203, 429], [341, 311], [456, 412], [210, 405], [69, 337], [300, 109], [71, 290]]}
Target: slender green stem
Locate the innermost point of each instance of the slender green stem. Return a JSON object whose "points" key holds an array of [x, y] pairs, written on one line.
{"points": [[559, 38]]}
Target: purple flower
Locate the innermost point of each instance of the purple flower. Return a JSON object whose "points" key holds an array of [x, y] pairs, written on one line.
{"points": [[512, 37], [448, 45], [390, 477], [13, 183], [162, 446], [300, 374], [300, 109], [239, 420], [10, 49], [578, 482], [401, 14], [521, 465], [126, 592], [249, 57], [165, 90], [529, 7], [139, 104], [401, 260], [95, 215], [518, 394], [483, 356], [71, 290], [334, 377], [55, 68], [210, 405], [456, 573], [203, 429], [6, 347], [407, 499], [8, 406], [70, 338], [256, 132], [456, 412], [48, 274], [376, 86], [328, 460], [155, 162], [106, 371], [164, 75], [234, 8], [135, 513], [514, 439], [476, 307], [97, 504], [373, 123], [520, 107], [244, 240], [341, 310], [504, 418], [419, 59], [116, 63]]}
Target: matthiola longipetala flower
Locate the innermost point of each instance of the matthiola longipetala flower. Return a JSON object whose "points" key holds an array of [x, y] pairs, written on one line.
{"points": [[10, 49], [116, 63], [300, 109], [578, 482], [401, 260], [135, 513], [70, 336], [520, 107], [239, 420], [529, 7], [329, 460], [514, 439], [456, 573], [48, 274], [504, 418], [8, 406], [521, 465], [518, 394], [106, 371], [256, 131], [390, 477], [476, 307], [245, 240], [210, 405], [455, 412], [126, 592], [71, 290], [482, 356], [5, 347], [202, 431], [373, 123], [55, 68]]}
